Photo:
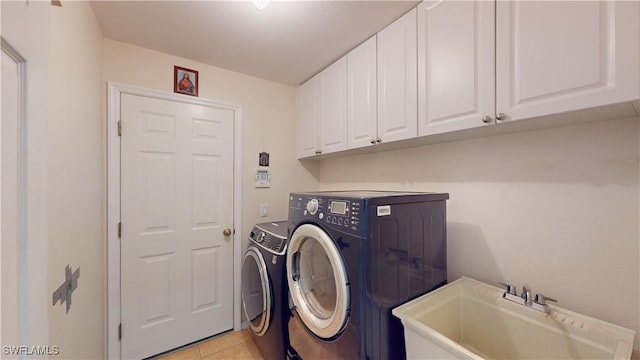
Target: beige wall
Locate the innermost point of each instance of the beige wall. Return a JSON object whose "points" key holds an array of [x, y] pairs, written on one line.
{"points": [[76, 180], [268, 120], [557, 209]]}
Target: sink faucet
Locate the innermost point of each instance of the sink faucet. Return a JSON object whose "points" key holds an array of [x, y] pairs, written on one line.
{"points": [[526, 295], [511, 294], [539, 303]]}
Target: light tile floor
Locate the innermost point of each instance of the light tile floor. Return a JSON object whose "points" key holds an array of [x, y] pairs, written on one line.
{"points": [[232, 345]]}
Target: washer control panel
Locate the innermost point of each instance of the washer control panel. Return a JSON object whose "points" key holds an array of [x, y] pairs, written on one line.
{"points": [[272, 242]]}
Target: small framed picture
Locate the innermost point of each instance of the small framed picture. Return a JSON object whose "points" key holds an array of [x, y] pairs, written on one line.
{"points": [[185, 81]]}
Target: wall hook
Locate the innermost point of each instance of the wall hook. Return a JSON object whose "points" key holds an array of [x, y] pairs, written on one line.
{"points": [[70, 284]]}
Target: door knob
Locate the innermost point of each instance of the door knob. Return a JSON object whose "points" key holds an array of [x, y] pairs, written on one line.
{"points": [[501, 116], [226, 232], [486, 119]]}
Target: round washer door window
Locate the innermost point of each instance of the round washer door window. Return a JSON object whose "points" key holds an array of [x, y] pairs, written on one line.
{"points": [[256, 291], [318, 281]]}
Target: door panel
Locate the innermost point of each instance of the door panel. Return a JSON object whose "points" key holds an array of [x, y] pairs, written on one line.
{"points": [[456, 65], [544, 66], [157, 300], [206, 270], [362, 99], [308, 104], [397, 80], [333, 107], [205, 197], [176, 198]]}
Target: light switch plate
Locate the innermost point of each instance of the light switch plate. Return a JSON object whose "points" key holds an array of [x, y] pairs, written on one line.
{"points": [[264, 210]]}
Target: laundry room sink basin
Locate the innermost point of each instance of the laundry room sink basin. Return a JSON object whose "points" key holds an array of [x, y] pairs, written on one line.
{"points": [[468, 319]]}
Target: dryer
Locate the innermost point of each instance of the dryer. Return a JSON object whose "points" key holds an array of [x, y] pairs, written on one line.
{"points": [[352, 257], [264, 291]]}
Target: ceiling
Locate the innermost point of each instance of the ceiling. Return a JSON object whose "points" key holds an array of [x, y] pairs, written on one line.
{"points": [[286, 42]]}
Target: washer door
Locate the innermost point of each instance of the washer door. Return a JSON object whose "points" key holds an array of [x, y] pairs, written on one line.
{"points": [[257, 296], [318, 281]]}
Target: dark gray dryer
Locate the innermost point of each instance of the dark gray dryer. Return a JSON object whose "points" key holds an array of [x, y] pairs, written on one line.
{"points": [[352, 257], [264, 291]]}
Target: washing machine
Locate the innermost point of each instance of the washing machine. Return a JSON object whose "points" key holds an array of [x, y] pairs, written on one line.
{"points": [[352, 257], [264, 290]]}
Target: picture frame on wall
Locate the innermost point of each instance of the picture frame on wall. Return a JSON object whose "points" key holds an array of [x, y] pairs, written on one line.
{"points": [[185, 81]]}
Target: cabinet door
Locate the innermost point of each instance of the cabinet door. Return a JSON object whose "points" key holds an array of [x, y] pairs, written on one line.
{"points": [[456, 65], [308, 108], [333, 107], [397, 80], [557, 56], [362, 95]]}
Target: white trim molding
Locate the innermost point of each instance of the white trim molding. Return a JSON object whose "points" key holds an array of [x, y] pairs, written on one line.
{"points": [[14, 218]]}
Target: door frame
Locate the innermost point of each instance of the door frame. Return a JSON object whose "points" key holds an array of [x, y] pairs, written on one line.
{"points": [[31, 246], [16, 245], [115, 90]]}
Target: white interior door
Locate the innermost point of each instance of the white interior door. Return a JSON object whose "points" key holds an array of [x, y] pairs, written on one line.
{"points": [[176, 202]]}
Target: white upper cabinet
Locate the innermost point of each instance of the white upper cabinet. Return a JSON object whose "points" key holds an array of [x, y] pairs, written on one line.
{"points": [[323, 111], [333, 107], [397, 80], [308, 100], [482, 62], [456, 65], [450, 65], [362, 95], [557, 56]]}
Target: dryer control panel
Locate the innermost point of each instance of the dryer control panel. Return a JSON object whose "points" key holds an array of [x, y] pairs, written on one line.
{"points": [[343, 214], [265, 239]]}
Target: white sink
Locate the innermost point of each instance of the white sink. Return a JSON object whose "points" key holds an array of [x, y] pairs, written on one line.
{"points": [[468, 319]]}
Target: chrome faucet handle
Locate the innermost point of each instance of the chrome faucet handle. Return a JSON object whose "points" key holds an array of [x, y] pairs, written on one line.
{"points": [[540, 303], [526, 295], [509, 289], [542, 300]]}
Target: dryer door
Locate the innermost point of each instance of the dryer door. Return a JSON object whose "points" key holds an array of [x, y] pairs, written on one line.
{"points": [[257, 296], [318, 281]]}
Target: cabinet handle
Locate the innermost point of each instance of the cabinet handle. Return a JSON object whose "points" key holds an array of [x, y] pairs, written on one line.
{"points": [[318, 152], [486, 119], [373, 141], [501, 116], [378, 140]]}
